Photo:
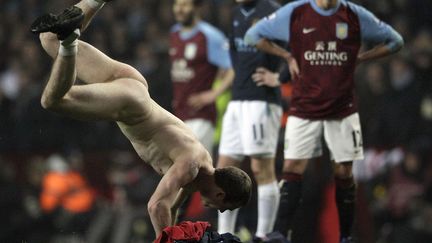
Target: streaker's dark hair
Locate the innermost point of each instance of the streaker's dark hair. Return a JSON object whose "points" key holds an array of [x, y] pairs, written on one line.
{"points": [[236, 184]]}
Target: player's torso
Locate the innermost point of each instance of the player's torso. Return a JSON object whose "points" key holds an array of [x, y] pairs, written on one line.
{"points": [[326, 49], [247, 58], [191, 72], [161, 138]]}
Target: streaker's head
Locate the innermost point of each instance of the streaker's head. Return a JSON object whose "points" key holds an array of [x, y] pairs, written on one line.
{"points": [[185, 11], [233, 189]]}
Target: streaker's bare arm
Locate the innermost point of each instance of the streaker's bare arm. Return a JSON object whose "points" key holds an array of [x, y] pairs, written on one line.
{"points": [[182, 195], [161, 202]]}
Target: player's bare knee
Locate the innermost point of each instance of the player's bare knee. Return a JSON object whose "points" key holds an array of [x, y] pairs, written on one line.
{"points": [[295, 166], [343, 170], [264, 176], [231, 160], [259, 176], [263, 170]]}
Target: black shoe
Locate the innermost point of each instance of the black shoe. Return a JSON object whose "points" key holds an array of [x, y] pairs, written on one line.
{"points": [[274, 237], [62, 24], [257, 240]]}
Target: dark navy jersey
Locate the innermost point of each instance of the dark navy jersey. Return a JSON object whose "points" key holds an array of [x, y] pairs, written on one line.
{"points": [[246, 59]]}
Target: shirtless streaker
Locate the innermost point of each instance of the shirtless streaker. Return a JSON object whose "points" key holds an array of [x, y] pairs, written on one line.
{"points": [[117, 92]]}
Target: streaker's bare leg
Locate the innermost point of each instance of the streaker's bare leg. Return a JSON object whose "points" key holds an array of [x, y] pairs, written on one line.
{"points": [[119, 100], [89, 12], [49, 40], [92, 65]]}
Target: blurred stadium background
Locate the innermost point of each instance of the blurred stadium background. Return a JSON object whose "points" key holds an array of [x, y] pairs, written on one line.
{"points": [[105, 200]]}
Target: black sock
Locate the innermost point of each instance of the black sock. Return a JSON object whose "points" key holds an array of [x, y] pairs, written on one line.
{"points": [[290, 195], [345, 200]]}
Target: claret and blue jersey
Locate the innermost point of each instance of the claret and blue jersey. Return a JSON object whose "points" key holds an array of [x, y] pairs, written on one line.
{"points": [[325, 44], [196, 56]]}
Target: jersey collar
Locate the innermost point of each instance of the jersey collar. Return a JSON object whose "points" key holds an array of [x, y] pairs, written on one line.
{"points": [[247, 13], [185, 35], [322, 11]]}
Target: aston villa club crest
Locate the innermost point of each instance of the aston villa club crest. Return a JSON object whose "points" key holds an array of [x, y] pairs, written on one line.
{"points": [[190, 51], [341, 30]]}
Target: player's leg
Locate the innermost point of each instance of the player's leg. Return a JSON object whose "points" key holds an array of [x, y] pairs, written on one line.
{"points": [[345, 143], [260, 130], [263, 169], [230, 154], [345, 197], [302, 142], [290, 188]]}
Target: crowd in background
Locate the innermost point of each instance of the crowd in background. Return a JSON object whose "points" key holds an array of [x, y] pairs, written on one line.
{"points": [[395, 97]]}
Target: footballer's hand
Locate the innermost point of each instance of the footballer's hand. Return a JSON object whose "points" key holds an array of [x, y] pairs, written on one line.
{"points": [[293, 67], [198, 101], [263, 76]]}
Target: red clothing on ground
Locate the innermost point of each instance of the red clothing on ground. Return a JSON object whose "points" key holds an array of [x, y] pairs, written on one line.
{"points": [[184, 231]]}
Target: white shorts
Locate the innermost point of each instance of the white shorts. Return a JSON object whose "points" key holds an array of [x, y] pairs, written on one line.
{"points": [[303, 138], [250, 128], [204, 130]]}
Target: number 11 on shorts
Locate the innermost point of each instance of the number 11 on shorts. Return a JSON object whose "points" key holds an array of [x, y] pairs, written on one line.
{"points": [[357, 139]]}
